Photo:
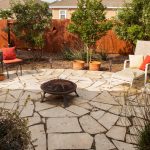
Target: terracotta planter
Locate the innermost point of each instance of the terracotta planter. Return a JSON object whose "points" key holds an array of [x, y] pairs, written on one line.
{"points": [[94, 65], [78, 64], [2, 77]]}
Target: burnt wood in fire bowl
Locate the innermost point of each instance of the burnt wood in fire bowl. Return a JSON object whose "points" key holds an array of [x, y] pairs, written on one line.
{"points": [[59, 87]]}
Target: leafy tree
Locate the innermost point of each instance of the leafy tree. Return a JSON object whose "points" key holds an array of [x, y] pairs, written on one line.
{"points": [[31, 21], [89, 23], [5, 14], [133, 21]]}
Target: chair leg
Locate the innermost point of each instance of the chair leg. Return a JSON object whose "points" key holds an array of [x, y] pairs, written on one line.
{"points": [[7, 72], [2, 67], [20, 69]]}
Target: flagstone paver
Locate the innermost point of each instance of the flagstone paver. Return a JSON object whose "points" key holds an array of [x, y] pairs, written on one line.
{"points": [[56, 112], [77, 110], [38, 136], [63, 125], [117, 133], [108, 120], [70, 141], [103, 143], [90, 125], [98, 119], [131, 138], [123, 145], [123, 121]]}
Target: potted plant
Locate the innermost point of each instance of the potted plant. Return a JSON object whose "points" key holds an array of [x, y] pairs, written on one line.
{"points": [[76, 56], [88, 22]]}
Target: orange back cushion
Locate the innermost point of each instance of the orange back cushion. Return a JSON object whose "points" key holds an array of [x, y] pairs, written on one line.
{"points": [[146, 61], [8, 53]]}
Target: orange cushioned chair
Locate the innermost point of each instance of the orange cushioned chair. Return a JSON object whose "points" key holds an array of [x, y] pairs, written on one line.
{"points": [[8, 57]]}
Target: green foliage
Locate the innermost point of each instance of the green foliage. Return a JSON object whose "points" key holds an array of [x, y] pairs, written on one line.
{"points": [[32, 19], [144, 138], [14, 133], [5, 14], [88, 21], [74, 54], [103, 55], [133, 21]]}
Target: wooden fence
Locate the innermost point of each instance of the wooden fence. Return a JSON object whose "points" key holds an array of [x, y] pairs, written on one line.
{"points": [[57, 36]]}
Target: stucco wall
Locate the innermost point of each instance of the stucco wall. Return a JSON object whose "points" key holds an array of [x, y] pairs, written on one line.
{"points": [[55, 12]]}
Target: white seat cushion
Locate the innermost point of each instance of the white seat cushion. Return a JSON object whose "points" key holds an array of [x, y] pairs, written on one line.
{"points": [[128, 74]]}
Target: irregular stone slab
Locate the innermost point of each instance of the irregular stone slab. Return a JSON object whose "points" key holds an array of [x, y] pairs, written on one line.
{"points": [[116, 110], [86, 106], [63, 125], [33, 95], [117, 132], [56, 112], [101, 105], [108, 120], [77, 101], [77, 110], [138, 121], [86, 94], [42, 106], [123, 121], [97, 114], [38, 137], [7, 98], [78, 72], [83, 84], [131, 138], [98, 83], [90, 125], [70, 141], [135, 129], [124, 146], [94, 89], [27, 111], [34, 120], [10, 106], [103, 143], [106, 98]]}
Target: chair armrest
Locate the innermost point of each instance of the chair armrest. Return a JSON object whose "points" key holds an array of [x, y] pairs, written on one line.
{"points": [[125, 64]]}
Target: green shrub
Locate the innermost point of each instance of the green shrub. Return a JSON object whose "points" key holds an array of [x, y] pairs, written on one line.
{"points": [[144, 138], [14, 133], [103, 56], [68, 55]]}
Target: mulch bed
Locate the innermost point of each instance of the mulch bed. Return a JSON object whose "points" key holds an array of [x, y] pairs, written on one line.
{"points": [[59, 63]]}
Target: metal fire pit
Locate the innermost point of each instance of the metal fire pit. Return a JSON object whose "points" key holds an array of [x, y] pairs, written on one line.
{"points": [[59, 87]]}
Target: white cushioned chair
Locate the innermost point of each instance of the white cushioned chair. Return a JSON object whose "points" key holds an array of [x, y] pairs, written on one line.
{"points": [[129, 74]]}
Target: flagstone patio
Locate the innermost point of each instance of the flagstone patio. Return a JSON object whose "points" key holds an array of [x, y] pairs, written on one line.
{"points": [[98, 119]]}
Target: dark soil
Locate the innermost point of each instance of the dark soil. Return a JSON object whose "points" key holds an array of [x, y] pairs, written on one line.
{"points": [[57, 61]]}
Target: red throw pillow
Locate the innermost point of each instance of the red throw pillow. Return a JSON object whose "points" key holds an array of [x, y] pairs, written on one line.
{"points": [[8, 53], [146, 61]]}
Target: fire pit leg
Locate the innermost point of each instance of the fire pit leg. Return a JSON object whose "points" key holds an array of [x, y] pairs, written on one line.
{"points": [[65, 101], [42, 100], [76, 93]]}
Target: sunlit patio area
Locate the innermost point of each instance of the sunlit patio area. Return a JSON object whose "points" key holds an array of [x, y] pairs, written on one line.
{"points": [[100, 118]]}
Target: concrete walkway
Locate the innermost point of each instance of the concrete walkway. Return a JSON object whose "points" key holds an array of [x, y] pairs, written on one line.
{"points": [[98, 119]]}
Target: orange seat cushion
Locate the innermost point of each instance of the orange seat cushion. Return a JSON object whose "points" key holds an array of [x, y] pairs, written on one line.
{"points": [[146, 61], [8, 53], [16, 60]]}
